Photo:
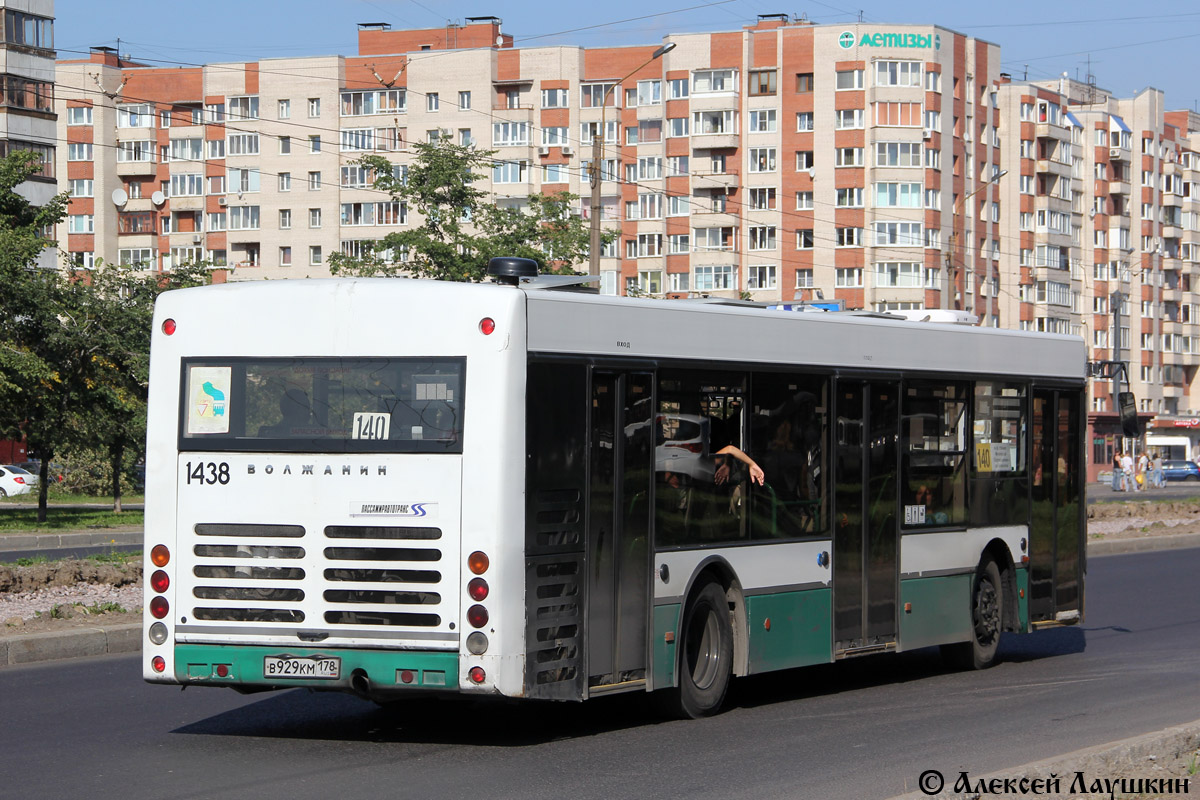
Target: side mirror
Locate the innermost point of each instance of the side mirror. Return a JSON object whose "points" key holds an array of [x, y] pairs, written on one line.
{"points": [[1127, 406]]}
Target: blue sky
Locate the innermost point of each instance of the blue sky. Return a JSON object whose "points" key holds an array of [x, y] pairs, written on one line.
{"points": [[1130, 47]]}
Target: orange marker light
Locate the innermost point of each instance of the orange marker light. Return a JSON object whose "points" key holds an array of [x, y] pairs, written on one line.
{"points": [[478, 562]]}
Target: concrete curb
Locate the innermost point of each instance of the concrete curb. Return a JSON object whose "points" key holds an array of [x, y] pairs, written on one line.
{"points": [[54, 541], [1143, 544], [1136, 758], [72, 643]]}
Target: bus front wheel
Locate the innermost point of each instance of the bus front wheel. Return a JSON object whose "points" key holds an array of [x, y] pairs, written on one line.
{"points": [[706, 654], [987, 621]]}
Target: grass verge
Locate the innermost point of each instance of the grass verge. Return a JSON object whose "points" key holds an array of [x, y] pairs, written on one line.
{"points": [[24, 520]]}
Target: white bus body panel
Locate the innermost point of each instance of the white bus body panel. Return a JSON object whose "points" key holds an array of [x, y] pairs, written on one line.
{"points": [[355, 318]]}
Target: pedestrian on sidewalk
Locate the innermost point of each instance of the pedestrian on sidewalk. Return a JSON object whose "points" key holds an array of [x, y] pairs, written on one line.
{"points": [[1118, 480], [1143, 468], [1156, 470], [1127, 473]]}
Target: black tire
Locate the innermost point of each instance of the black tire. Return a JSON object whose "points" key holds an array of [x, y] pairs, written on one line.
{"points": [[1193, 477], [987, 621], [2, 492], [705, 655]]}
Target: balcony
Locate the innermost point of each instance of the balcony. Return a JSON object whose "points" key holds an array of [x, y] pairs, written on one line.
{"points": [[1046, 130], [1118, 187], [709, 141], [144, 167], [1050, 203], [1050, 167], [709, 218], [707, 179], [1119, 154], [188, 203]]}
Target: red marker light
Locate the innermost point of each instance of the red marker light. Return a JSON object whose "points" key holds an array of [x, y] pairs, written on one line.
{"points": [[477, 616], [478, 589], [222, 670], [477, 675], [168, 326], [487, 325], [159, 581], [18, 479], [159, 607], [407, 676], [158, 663]]}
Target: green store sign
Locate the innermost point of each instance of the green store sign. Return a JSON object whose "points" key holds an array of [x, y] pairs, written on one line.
{"points": [[920, 41]]}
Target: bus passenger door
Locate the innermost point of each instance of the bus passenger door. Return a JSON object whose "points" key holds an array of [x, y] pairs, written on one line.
{"points": [[866, 531], [1056, 533], [618, 557]]}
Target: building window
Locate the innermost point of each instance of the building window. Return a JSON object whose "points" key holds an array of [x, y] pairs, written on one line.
{"points": [[906, 115], [804, 121], [715, 277], [804, 160], [314, 218], [804, 82], [709, 81], [314, 143], [762, 237], [139, 115], [760, 277], [464, 101], [285, 219], [285, 181], [848, 118], [314, 181], [849, 79], [804, 279], [28, 30], [285, 145], [79, 115], [804, 239], [284, 109], [242, 107], [82, 187], [243, 218], [510, 172], [81, 223], [762, 159], [847, 277], [804, 201], [510, 133], [898, 73], [81, 151], [285, 256], [762, 198], [848, 157], [763, 121], [851, 197], [848, 237], [314, 255], [762, 82]]}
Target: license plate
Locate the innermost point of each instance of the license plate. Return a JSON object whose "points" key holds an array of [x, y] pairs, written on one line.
{"points": [[315, 667]]}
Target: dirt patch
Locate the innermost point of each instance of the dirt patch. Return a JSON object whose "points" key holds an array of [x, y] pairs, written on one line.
{"points": [[16, 579], [1146, 509], [79, 618]]}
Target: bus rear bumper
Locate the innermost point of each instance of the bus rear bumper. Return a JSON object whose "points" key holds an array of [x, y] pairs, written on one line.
{"points": [[364, 672]]}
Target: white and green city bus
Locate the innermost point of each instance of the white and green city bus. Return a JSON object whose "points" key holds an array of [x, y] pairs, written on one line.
{"points": [[393, 486]]}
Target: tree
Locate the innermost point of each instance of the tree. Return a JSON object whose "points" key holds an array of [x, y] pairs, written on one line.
{"points": [[459, 229], [73, 345]]}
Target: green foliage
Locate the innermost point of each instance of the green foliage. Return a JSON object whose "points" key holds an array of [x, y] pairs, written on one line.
{"points": [[74, 349], [105, 608], [459, 231]]}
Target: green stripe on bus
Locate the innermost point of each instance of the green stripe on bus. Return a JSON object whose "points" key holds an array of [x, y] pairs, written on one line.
{"points": [[662, 650], [799, 632], [940, 611], [197, 663]]}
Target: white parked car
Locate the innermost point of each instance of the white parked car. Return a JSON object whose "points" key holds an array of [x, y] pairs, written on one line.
{"points": [[14, 481]]}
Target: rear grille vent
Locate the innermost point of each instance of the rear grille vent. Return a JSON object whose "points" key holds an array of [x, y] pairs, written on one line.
{"points": [[558, 520], [374, 576]]}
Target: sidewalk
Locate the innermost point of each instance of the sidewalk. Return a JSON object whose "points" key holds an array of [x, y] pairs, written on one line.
{"points": [[11, 542]]}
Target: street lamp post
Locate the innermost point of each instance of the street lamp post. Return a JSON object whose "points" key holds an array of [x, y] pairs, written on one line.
{"points": [[597, 161], [954, 234]]}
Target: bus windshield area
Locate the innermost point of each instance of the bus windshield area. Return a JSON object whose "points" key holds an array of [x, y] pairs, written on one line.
{"points": [[346, 405]]}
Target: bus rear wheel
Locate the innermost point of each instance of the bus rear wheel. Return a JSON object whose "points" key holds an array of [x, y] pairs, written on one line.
{"points": [[987, 621], [706, 654]]}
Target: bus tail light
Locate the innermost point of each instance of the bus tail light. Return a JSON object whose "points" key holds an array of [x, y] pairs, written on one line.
{"points": [[169, 326], [159, 607], [160, 556], [478, 562], [158, 663], [159, 581], [478, 589], [476, 615], [477, 675], [487, 326]]}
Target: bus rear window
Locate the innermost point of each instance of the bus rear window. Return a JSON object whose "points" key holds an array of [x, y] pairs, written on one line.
{"points": [[335, 405]]}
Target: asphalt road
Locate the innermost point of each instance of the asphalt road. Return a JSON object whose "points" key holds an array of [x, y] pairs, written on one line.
{"points": [[863, 729]]}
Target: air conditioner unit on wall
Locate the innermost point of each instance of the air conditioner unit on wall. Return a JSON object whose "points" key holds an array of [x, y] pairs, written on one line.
{"points": [[197, 238], [543, 150], [1114, 152], [222, 201], [567, 150]]}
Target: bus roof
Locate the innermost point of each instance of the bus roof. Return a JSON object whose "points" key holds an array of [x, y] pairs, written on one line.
{"points": [[567, 322]]}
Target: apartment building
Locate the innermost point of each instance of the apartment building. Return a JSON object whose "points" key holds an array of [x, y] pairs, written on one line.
{"points": [[27, 120], [889, 168]]}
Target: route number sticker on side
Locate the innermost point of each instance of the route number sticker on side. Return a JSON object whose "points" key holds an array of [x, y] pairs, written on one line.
{"points": [[371, 426], [313, 667]]}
